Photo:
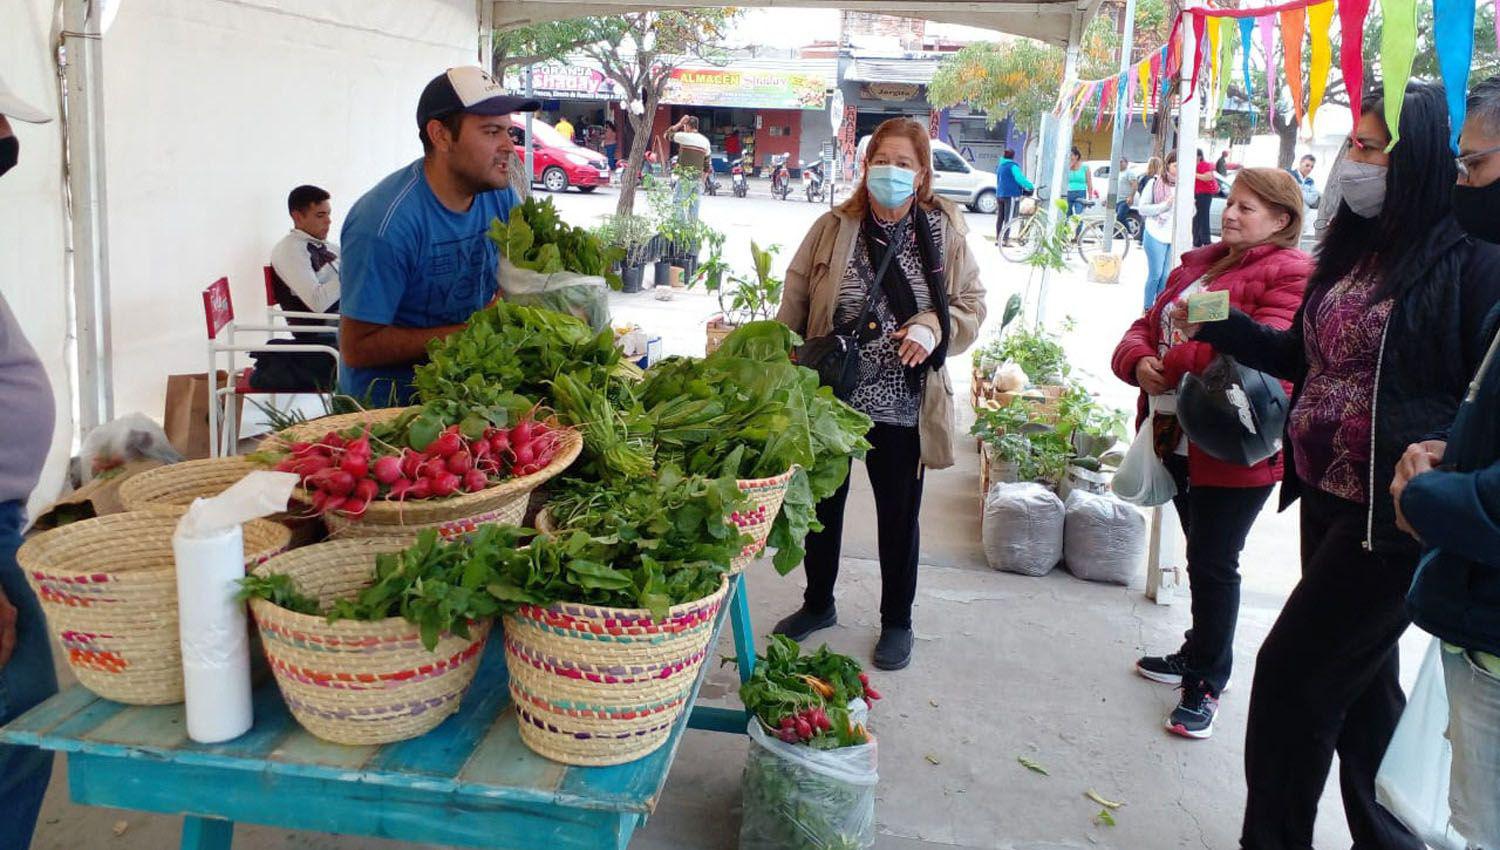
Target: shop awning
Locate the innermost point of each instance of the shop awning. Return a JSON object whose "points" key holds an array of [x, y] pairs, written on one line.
{"points": [[738, 83], [1046, 20], [907, 71]]}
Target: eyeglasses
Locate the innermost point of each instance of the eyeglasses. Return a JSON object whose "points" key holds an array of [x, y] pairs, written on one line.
{"points": [[1469, 160]]}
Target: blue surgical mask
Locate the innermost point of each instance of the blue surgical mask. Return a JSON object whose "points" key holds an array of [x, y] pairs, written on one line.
{"points": [[891, 185]]}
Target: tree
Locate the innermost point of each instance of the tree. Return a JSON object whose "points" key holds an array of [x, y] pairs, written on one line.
{"points": [[549, 40], [1020, 77], [639, 51]]}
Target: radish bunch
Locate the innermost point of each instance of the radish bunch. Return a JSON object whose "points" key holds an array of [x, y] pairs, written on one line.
{"points": [[804, 725], [344, 475]]}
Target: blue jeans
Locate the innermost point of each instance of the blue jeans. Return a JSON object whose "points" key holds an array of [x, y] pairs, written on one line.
{"points": [[27, 679], [1474, 731], [1158, 263], [1077, 201]]}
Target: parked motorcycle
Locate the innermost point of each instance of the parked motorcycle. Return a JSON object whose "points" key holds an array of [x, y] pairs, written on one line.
{"points": [[737, 181], [812, 181], [781, 176], [711, 182]]}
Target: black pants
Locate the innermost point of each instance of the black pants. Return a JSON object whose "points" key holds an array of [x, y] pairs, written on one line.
{"points": [[1216, 520], [1326, 682], [895, 466], [1002, 216], [1201, 205]]}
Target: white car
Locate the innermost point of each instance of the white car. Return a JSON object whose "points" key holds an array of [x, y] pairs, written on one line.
{"points": [[954, 178]]}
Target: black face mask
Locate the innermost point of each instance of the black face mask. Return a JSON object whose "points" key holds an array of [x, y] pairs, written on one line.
{"points": [[10, 153], [1474, 207]]}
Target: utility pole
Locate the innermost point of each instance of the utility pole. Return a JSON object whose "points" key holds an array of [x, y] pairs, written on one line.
{"points": [[1117, 138]]}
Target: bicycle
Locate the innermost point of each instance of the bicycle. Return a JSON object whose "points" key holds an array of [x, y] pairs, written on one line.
{"points": [[1023, 234]]}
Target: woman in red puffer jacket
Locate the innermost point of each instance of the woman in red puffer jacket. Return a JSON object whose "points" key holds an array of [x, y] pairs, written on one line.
{"points": [[1258, 264]]}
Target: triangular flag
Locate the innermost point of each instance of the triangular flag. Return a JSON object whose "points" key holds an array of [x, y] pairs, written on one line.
{"points": [[1398, 50], [1351, 57], [1132, 88], [1215, 67], [1165, 81], [1453, 36], [1156, 62], [1198, 27], [1320, 18], [1226, 66], [1247, 35], [1292, 23], [1099, 107], [1267, 25]]}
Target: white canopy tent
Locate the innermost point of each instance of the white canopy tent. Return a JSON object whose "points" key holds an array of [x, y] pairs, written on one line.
{"points": [[214, 109]]}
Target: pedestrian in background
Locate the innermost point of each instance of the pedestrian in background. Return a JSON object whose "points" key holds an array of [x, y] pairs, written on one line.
{"points": [[1390, 331], [1447, 495], [26, 419], [1258, 264], [1010, 184], [611, 142], [928, 305], [1157, 198], [1205, 187], [1080, 183]]}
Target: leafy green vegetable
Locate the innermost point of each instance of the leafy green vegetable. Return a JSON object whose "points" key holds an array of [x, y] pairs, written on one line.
{"points": [[786, 682], [280, 591], [536, 238]]}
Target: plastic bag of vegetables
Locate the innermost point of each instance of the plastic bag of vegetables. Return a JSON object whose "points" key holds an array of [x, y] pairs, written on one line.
{"points": [[544, 262], [800, 798]]}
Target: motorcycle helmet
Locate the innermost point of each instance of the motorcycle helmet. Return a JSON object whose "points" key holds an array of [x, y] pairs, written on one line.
{"points": [[1232, 412]]}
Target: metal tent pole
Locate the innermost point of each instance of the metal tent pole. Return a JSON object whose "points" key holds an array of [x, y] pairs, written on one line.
{"points": [[1187, 144], [1063, 142]]}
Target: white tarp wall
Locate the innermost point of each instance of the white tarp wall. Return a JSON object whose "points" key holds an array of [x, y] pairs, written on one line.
{"points": [[32, 224], [213, 111]]}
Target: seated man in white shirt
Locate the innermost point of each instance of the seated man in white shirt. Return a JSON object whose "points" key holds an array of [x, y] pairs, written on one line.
{"points": [[305, 262], [305, 279]]}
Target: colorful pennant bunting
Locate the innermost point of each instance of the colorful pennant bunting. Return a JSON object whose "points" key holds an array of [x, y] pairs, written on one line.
{"points": [[1292, 23], [1453, 37], [1351, 57], [1321, 19]]}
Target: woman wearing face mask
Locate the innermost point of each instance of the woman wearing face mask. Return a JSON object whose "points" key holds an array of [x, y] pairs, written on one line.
{"points": [[1381, 352], [927, 306], [1259, 265], [1155, 206]]}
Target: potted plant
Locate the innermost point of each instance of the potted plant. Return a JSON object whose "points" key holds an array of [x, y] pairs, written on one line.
{"points": [[632, 235], [746, 299], [712, 270], [1093, 431]]}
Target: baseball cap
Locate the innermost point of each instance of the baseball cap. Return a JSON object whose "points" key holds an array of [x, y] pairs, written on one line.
{"points": [[468, 88], [12, 106]]}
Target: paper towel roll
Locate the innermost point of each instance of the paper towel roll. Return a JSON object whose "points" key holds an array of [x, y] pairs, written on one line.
{"points": [[214, 633]]}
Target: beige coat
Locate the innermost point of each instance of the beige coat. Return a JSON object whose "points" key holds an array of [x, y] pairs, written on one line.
{"points": [[811, 296]]}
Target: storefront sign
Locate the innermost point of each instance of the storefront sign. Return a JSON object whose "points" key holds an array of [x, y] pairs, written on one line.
{"points": [[745, 89], [889, 91], [561, 81]]}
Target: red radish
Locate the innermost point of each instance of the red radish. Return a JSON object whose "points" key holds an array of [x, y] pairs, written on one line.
{"points": [[287, 465], [388, 469], [820, 717], [804, 729], [434, 467], [355, 507], [420, 489], [355, 464], [523, 433], [411, 463], [500, 443], [303, 449], [480, 449], [399, 487], [333, 440], [474, 481], [366, 489], [524, 453], [871, 694], [460, 462], [864, 679], [339, 482], [312, 465], [447, 444], [444, 485], [360, 446], [788, 722], [334, 503]]}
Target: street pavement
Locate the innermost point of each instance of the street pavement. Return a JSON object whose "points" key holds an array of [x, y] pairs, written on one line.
{"points": [[1005, 666]]}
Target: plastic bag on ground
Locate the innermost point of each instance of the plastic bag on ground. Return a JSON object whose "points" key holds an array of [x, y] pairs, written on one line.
{"points": [[1142, 478], [1412, 782], [1023, 528], [118, 442], [800, 798], [1104, 539], [580, 295]]}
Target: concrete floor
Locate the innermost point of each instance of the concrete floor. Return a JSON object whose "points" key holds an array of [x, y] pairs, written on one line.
{"points": [[1005, 666]]}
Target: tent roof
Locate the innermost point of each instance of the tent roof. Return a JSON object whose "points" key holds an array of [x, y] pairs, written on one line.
{"points": [[1046, 20]]}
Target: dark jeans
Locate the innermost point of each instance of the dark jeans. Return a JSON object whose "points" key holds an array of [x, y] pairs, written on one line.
{"points": [[25, 680], [1326, 682], [1201, 205], [1002, 215], [895, 466], [1216, 520]]}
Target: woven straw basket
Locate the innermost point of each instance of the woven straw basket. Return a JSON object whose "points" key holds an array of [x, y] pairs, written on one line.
{"points": [[358, 682], [109, 589], [178, 484], [504, 503], [766, 496], [601, 686]]}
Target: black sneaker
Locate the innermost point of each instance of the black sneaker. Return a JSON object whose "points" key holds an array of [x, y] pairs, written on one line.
{"points": [[1194, 715], [803, 622], [1167, 669], [893, 650]]}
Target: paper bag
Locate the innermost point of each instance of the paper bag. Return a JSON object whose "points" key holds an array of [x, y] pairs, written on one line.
{"points": [[186, 416]]}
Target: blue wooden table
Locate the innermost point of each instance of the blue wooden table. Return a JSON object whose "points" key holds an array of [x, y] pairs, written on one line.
{"points": [[470, 782]]}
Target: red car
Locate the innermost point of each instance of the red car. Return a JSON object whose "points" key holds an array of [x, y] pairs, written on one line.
{"points": [[559, 162]]}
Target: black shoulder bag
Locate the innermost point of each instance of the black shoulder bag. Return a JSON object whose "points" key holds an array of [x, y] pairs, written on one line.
{"points": [[835, 356]]}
